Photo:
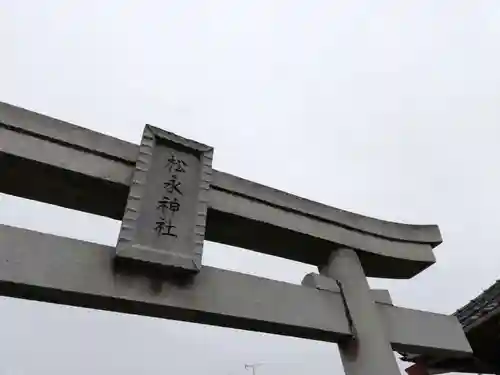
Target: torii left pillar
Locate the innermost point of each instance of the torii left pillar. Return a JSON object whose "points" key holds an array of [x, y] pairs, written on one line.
{"points": [[369, 352]]}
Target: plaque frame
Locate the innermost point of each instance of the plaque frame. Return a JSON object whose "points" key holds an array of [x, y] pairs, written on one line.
{"points": [[127, 248]]}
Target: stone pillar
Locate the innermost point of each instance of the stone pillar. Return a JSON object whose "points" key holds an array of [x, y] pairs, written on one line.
{"points": [[370, 352]]}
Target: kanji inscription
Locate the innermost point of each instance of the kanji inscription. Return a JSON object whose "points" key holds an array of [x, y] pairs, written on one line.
{"points": [[164, 222]]}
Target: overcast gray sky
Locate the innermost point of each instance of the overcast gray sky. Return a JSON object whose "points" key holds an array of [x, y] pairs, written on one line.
{"points": [[387, 108]]}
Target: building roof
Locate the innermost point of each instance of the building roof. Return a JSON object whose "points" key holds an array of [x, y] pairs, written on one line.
{"points": [[480, 307], [479, 321]]}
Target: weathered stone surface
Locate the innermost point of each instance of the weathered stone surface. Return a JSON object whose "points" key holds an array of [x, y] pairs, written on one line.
{"points": [[165, 216], [320, 282], [162, 193], [61, 270], [84, 170], [370, 351]]}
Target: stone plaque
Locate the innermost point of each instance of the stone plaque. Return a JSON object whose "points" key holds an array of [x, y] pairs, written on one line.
{"points": [[165, 216]]}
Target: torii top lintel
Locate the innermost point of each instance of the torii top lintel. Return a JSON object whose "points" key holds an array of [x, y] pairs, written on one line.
{"points": [[92, 172]]}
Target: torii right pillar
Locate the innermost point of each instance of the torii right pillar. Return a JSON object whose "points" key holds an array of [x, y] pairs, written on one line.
{"points": [[370, 352]]}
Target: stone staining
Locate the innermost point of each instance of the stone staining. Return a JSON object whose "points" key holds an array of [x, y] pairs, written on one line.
{"points": [[165, 217]]}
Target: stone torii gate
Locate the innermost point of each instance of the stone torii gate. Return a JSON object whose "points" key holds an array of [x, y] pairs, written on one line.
{"points": [[170, 200]]}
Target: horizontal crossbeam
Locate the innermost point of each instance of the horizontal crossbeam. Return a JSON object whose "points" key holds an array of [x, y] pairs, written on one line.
{"points": [[54, 269], [320, 282], [83, 170]]}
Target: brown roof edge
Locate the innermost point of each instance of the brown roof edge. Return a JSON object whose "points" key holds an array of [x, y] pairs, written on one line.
{"points": [[417, 369], [420, 368]]}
